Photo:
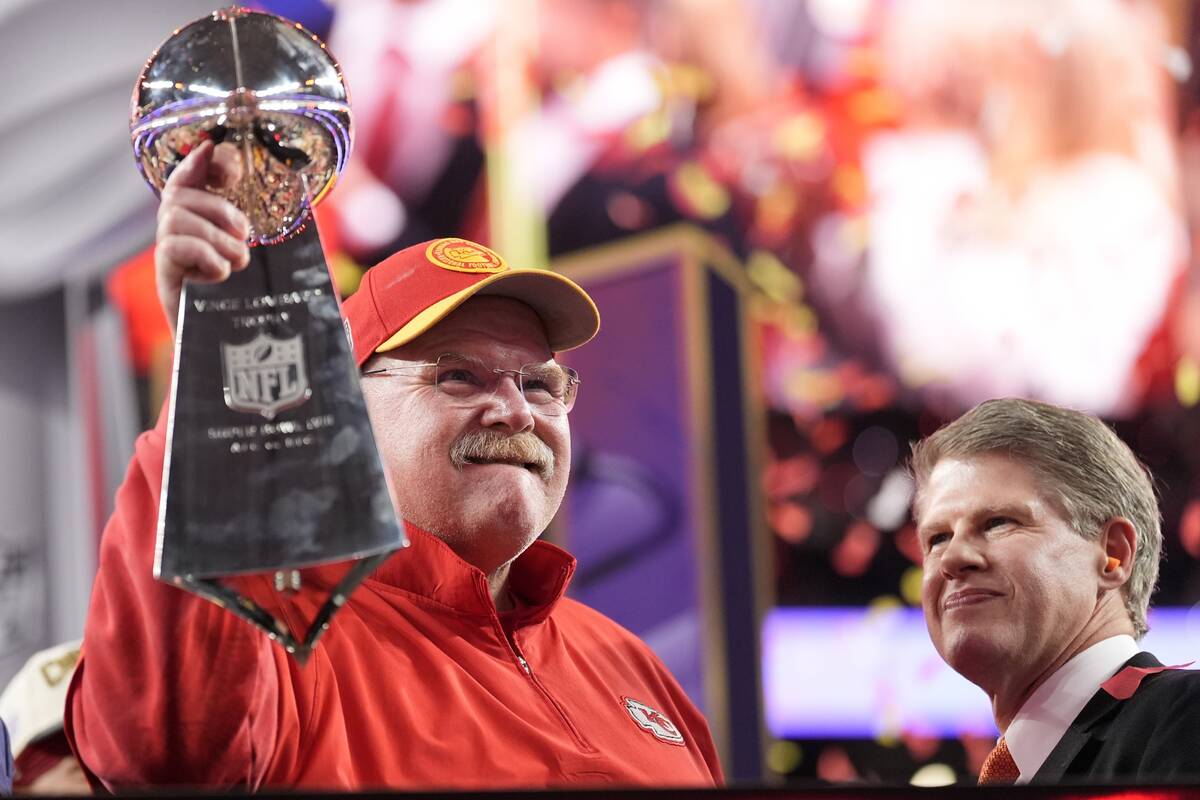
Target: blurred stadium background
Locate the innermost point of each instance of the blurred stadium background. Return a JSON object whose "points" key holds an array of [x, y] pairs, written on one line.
{"points": [[816, 231]]}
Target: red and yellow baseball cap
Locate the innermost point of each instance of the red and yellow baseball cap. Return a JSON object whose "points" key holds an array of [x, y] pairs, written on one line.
{"points": [[409, 292]]}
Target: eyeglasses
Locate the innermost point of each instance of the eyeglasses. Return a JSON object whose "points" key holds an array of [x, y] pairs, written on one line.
{"points": [[550, 389]]}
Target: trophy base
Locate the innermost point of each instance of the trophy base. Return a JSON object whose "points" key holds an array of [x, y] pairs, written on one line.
{"points": [[298, 646]]}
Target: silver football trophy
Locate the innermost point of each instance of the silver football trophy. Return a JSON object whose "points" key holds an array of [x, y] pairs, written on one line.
{"points": [[271, 463]]}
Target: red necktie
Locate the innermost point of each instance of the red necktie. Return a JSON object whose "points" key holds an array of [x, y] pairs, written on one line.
{"points": [[999, 767]]}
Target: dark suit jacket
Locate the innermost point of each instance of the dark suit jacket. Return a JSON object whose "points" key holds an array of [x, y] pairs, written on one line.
{"points": [[1153, 737], [6, 761]]}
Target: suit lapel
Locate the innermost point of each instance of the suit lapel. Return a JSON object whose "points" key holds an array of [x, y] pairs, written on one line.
{"points": [[1082, 733]]}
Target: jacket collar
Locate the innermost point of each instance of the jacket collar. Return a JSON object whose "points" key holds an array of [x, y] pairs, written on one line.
{"points": [[538, 578], [1082, 730]]}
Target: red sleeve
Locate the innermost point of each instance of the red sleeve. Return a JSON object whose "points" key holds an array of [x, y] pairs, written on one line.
{"points": [[170, 689]]}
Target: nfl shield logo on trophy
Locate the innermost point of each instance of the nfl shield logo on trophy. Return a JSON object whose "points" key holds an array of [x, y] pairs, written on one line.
{"points": [[266, 375]]}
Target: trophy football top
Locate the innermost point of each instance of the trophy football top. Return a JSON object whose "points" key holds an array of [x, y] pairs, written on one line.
{"points": [[262, 83]]}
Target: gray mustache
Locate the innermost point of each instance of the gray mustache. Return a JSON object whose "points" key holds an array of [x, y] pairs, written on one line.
{"points": [[488, 445]]}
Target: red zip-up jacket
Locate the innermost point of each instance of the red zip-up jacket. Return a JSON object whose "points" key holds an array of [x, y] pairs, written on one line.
{"points": [[418, 683]]}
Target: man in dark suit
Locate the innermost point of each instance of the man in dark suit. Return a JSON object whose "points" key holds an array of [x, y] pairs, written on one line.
{"points": [[1041, 539]]}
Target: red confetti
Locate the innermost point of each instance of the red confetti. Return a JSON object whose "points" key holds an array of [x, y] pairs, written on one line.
{"points": [[908, 544], [829, 434], [793, 476], [834, 765], [1189, 528], [792, 522], [1123, 685], [853, 555]]}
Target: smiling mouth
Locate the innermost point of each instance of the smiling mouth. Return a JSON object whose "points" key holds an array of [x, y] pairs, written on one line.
{"points": [[521, 450], [968, 597], [525, 465]]}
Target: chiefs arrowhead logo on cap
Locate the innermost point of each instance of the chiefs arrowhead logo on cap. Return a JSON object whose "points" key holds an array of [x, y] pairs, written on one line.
{"points": [[463, 256], [653, 722]]}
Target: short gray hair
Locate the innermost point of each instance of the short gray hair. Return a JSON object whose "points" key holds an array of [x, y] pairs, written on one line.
{"points": [[1089, 474]]}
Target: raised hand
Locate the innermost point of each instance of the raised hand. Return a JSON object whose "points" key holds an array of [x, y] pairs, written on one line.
{"points": [[201, 236]]}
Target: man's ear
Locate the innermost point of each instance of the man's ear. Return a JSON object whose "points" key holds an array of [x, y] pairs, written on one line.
{"points": [[1118, 541]]}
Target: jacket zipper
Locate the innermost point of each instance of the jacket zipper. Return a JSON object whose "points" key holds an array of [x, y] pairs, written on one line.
{"points": [[562, 714]]}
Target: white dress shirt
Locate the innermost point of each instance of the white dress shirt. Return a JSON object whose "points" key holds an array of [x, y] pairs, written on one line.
{"points": [[1053, 706]]}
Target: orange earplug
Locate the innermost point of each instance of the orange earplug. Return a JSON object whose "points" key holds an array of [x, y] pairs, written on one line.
{"points": [[1113, 563]]}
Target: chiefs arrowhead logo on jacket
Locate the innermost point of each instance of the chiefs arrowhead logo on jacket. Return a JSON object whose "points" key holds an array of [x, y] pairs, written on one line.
{"points": [[653, 721]]}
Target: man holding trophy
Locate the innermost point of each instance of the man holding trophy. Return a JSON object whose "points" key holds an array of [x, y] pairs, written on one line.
{"points": [[458, 662]]}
